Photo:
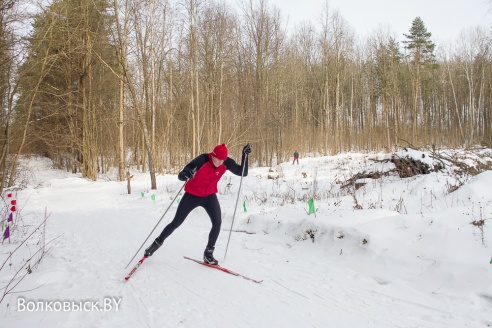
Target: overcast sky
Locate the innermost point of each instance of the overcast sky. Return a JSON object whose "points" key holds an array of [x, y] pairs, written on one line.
{"points": [[445, 19]]}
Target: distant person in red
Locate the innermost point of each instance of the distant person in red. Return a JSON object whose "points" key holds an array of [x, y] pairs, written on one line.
{"points": [[202, 175], [296, 157]]}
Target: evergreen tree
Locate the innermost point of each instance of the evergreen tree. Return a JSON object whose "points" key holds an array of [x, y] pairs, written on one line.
{"points": [[421, 50], [419, 43], [67, 89]]}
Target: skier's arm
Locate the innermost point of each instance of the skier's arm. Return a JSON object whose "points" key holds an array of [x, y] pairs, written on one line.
{"points": [[238, 169], [190, 169]]}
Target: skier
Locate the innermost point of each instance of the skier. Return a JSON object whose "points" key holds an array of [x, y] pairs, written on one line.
{"points": [[202, 175], [296, 157]]}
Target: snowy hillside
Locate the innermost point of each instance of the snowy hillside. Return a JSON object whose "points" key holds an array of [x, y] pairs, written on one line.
{"points": [[385, 252]]}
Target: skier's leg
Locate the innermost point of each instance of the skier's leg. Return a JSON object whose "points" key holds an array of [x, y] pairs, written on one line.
{"points": [[212, 207], [186, 205]]}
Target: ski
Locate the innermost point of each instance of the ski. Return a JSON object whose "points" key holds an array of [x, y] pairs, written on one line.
{"points": [[218, 267], [135, 268]]}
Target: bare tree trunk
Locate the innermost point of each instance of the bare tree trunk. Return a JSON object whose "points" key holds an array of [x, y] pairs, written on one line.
{"points": [[121, 144], [133, 95], [455, 104], [89, 130], [121, 125]]}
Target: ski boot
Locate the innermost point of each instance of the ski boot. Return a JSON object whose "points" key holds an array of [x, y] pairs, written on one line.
{"points": [[152, 248], [208, 256]]}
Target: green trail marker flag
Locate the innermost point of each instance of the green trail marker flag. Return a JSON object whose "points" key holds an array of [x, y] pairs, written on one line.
{"points": [[244, 206], [311, 207], [152, 197], [490, 261], [142, 193]]}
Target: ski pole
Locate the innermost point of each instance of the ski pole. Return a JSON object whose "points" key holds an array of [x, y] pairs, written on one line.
{"points": [[156, 224], [235, 207]]}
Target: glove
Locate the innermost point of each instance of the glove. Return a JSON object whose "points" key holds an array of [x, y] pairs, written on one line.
{"points": [[247, 149], [190, 174]]}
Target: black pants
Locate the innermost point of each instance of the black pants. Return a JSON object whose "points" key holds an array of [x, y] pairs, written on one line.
{"points": [[187, 204]]}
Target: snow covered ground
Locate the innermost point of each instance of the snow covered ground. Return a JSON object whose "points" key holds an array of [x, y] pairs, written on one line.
{"points": [[409, 257]]}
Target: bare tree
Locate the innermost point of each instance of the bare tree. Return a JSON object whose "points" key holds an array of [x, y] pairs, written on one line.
{"points": [[130, 81]]}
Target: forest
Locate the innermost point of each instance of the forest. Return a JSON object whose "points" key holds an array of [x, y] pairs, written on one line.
{"points": [[100, 85]]}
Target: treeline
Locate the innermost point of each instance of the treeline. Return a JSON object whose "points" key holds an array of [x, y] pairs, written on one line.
{"points": [[100, 84]]}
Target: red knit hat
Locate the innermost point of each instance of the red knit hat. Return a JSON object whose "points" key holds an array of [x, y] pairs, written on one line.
{"points": [[220, 152]]}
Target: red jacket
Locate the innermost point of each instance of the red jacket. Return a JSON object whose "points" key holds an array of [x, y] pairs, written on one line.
{"points": [[204, 182]]}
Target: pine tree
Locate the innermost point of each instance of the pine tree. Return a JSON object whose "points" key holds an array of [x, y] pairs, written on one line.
{"points": [[421, 50], [66, 88], [419, 43]]}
